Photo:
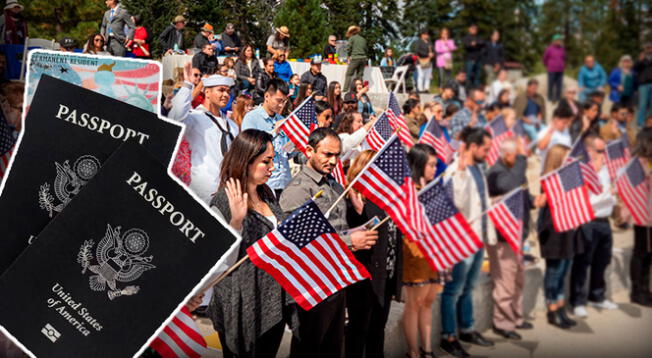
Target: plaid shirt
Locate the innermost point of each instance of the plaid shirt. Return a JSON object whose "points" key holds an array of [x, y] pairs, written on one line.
{"points": [[462, 119]]}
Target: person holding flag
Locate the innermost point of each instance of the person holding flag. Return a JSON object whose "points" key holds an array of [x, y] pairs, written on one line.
{"points": [[597, 238], [634, 186], [321, 329], [557, 248], [506, 264], [471, 197], [249, 309], [368, 302], [422, 283]]}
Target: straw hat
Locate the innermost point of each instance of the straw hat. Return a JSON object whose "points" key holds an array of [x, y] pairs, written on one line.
{"points": [[283, 30], [352, 30], [179, 18]]}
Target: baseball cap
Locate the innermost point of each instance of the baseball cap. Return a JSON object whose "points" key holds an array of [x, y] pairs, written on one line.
{"points": [[350, 97], [67, 43]]}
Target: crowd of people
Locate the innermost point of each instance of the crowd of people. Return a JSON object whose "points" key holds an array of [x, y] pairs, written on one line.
{"points": [[235, 158]]}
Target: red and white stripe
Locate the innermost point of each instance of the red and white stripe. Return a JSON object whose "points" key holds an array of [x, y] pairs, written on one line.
{"points": [[614, 164], [398, 123], [449, 242], [509, 226], [4, 163], [591, 178], [181, 338], [638, 199], [444, 150], [312, 273], [400, 202], [569, 209], [297, 132], [338, 173], [375, 140], [494, 150]]}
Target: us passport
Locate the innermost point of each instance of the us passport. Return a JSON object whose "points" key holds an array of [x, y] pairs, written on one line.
{"points": [[69, 132], [114, 265]]}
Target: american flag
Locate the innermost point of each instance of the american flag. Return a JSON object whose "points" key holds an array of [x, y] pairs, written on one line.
{"points": [[180, 338], [449, 238], [7, 142], [387, 182], [307, 257], [507, 216], [338, 173], [434, 136], [499, 132], [300, 123], [379, 133], [634, 188], [591, 178], [4, 163], [397, 121], [616, 157], [568, 197]]}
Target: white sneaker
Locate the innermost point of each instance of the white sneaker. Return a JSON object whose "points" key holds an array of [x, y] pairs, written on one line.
{"points": [[580, 311], [604, 305]]}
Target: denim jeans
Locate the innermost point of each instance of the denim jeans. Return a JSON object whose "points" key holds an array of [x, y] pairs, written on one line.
{"points": [[457, 298], [644, 103], [473, 71], [555, 81], [554, 279]]}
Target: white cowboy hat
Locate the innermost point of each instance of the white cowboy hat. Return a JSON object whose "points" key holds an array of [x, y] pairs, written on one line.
{"points": [[13, 3]]}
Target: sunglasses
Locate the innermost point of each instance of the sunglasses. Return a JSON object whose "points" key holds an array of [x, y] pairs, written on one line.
{"points": [[196, 74], [600, 151], [99, 40]]}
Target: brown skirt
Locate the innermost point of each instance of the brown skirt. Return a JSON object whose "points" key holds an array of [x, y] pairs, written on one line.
{"points": [[416, 270]]}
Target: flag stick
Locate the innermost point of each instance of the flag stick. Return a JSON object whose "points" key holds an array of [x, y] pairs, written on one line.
{"points": [[356, 178], [221, 277], [380, 223], [504, 197]]}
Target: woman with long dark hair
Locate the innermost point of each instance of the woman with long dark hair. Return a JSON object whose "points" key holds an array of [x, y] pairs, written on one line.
{"points": [[95, 44], [249, 308], [335, 97], [247, 68], [422, 284]]}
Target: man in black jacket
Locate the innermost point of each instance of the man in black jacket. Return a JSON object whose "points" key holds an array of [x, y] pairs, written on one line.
{"points": [[643, 70], [205, 61], [203, 37], [231, 41], [473, 45], [316, 78], [493, 57], [507, 271], [172, 37]]}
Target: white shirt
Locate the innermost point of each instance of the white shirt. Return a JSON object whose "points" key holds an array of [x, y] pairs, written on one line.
{"points": [[498, 86], [558, 137], [204, 139], [352, 143], [603, 203]]}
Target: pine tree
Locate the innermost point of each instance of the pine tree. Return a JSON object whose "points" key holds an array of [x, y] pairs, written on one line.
{"points": [[309, 28]]}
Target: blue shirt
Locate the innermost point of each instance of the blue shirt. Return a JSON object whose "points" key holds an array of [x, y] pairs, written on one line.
{"points": [[259, 119], [462, 118], [532, 108], [283, 70]]}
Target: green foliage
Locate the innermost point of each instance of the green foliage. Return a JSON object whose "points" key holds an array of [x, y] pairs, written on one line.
{"points": [[308, 26], [156, 16], [605, 28], [50, 19]]}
